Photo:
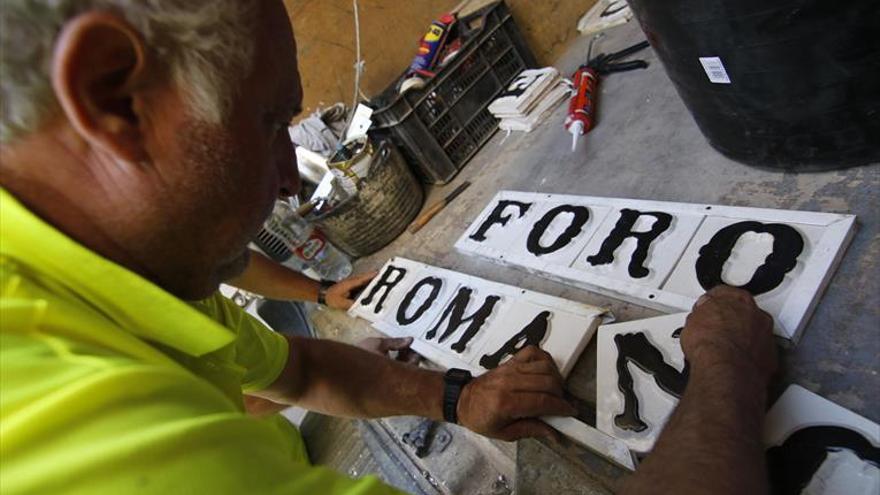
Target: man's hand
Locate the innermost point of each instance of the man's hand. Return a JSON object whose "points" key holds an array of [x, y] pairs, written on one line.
{"points": [[504, 403], [727, 325], [340, 295], [385, 345], [728, 341]]}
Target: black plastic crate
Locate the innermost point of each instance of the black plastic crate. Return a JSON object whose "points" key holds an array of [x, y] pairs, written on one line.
{"points": [[440, 127]]}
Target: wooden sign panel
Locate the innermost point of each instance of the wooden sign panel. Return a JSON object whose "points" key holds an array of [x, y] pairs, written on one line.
{"points": [[641, 374], [664, 255], [815, 446], [812, 445], [460, 321]]}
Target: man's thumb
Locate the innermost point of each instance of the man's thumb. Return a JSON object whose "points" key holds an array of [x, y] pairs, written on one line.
{"points": [[396, 344], [527, 428]]}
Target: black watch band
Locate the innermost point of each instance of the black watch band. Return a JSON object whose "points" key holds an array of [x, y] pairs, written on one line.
{"points": [[322, 291], [454, 381]]}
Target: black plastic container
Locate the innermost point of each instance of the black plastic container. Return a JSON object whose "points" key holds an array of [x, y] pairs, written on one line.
{"points": [[804, 90], [441, 126]]}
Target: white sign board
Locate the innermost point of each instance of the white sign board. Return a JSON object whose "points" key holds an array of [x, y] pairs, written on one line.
{"points": [[665, 255], [641, 374], [815, 446], [460, 321]]}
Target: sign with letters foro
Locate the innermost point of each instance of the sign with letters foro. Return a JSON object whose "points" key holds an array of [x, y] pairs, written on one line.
{"points": [[460, 321], [665, 255]]}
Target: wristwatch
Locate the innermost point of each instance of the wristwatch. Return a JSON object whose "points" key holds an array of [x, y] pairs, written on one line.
{"points": [[322, 291], [454, 381]]}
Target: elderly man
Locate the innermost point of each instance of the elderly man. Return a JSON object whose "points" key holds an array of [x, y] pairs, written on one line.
{"points": [[143, 143]]}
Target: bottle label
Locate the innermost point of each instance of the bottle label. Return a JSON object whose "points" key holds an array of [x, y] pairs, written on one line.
{"points": [[314, 245]]}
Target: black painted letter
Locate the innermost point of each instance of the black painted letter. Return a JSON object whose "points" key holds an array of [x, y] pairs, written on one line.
{"points": [[622, 230], [637, 349], [581, 215], [435, 284], [385, 282], [498, 216], [532, 334], [794, 463], [454, 313], [787, 246]]}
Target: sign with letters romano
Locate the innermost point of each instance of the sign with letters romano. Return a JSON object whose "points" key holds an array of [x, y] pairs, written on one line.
{"points": [[460, 321], [664, 255]]}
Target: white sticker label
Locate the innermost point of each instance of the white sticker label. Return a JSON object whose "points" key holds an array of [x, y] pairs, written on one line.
{"points": [[715, 70]]}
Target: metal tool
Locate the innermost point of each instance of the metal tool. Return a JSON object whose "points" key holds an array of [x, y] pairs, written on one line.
{"points": [[425, 217], [427, 436], [585, 83]]}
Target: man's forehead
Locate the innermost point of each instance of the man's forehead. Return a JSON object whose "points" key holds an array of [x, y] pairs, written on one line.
{"points": [[276, 54]]}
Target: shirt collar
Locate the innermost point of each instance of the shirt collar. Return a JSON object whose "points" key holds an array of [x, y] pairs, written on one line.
{"points": [[135, 304]]}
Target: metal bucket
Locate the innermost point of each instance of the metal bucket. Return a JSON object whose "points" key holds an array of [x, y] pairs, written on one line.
{"points": [[388, 200], [352, 170]]}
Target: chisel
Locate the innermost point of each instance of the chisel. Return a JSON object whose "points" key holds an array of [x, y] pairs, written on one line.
{"points": [[425, 217]]}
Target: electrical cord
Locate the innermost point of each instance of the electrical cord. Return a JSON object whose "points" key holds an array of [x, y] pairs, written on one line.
{"points": [[358, 70]]}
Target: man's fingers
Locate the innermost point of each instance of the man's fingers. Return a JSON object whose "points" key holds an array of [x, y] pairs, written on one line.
{"points": [[533, 404], [539, 367], [701, 300], [530, 353], [395, 344], [527, 428], [768, 318], [539, 383], [726, 291], [409, 356], [358, 280]]}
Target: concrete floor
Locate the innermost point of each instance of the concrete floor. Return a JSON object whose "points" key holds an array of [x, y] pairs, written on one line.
{"points": [[646, 145]]}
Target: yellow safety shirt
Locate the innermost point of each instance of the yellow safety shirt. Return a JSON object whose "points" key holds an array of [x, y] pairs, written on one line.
{"points": [[108, 384]]}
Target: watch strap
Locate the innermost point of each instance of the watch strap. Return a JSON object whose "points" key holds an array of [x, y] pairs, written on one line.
{"points": [[323, 286], [454, 382]]}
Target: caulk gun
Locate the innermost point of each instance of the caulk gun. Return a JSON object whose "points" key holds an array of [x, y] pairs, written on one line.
{"points": [[585, 82]]}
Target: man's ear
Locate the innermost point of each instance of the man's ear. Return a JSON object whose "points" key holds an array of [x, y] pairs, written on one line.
{"points": [[98, 69]]}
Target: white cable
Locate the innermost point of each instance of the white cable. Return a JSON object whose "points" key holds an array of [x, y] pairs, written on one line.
{"points": [[505, 137], [359, 64], [358, 69]]}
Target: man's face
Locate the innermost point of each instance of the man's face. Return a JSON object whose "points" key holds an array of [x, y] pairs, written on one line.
{"points": [[222, 181]]}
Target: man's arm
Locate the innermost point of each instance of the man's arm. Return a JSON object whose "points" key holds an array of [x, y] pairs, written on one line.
{"points": [[382, 346], [712, 442], [342, 380], [275, 281]]}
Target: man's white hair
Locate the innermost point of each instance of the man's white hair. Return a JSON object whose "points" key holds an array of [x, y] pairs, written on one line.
{"points": [[206, 45]]}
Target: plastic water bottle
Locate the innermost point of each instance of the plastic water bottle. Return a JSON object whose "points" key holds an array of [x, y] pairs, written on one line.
{"points": [[306, 243]]}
